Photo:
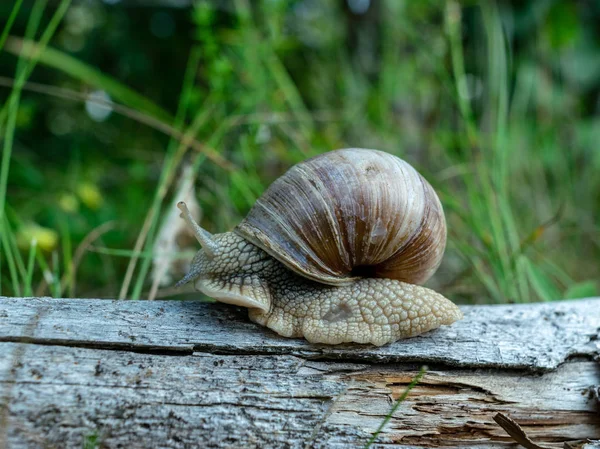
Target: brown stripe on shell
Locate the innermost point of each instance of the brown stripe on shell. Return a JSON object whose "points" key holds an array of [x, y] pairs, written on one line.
{"points": [[349, 213]]}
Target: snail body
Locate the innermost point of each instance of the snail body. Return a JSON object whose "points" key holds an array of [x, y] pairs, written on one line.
{"points": [[333, 251]]}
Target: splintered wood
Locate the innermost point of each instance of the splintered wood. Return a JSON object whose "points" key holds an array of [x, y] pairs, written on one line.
{"points": [[187, 374]]}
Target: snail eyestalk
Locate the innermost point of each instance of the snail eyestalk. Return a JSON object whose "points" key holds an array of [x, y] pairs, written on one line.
{"points": [[202, 235]]}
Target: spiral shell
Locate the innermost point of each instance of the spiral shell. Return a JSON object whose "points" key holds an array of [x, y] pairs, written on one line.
{"points": [[350, 213]]}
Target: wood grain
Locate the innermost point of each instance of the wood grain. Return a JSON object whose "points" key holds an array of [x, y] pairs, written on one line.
{"points": [[534, 337], [187, 374]]}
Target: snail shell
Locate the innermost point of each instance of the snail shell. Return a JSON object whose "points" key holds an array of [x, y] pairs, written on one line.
{"points": [[350, 213]]}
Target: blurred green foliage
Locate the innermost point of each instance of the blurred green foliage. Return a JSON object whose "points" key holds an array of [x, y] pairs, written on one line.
{"points": [[497, 104]]}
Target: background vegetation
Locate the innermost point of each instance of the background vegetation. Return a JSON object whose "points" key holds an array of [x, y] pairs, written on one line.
{"points": [[111, 109]]}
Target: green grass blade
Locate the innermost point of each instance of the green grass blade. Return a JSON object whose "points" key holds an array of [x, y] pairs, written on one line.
{"points": [[47, 273], [67, 257], [85, 73], [541, 283], [171, 163], [56, 284], [23, 70], [10, 261], [25, 67], [28, 289], [13, 107], [585, 289], [9, 22], [454, 31], [402, 397], [19, 262]]}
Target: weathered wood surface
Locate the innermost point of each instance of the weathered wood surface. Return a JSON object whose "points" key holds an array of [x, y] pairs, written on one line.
{"points": [[187, 374], [534, 337]]}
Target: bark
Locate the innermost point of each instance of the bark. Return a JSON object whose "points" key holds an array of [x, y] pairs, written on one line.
{"points": [[188, 374]]}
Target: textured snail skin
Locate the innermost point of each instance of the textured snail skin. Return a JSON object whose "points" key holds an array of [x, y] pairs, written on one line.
{"points": [[369, 310]]}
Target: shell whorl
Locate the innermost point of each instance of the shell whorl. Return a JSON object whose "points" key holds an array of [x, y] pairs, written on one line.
{"points": [[350, 213]]}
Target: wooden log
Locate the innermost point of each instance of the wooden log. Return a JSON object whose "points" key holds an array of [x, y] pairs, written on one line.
{"points": [[187, 374]]}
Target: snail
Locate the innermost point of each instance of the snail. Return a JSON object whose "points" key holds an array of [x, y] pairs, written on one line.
{"points": [[333, 252]]}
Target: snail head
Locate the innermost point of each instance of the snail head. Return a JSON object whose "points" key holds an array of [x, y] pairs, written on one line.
{"points": [[227, 268]]}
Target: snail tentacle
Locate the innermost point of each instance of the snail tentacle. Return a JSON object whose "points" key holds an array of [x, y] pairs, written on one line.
{"points": [[204, 237]]}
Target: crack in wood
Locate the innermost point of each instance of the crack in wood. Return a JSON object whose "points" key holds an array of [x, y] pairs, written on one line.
{"points": [[107, 346], [195, 349]]}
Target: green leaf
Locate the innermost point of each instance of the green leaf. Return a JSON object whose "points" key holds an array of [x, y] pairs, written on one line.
{"points": [[585, 289]]}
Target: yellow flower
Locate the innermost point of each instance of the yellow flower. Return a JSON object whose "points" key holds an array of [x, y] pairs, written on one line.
{"points": [[68, 202], [46, 238], [90, 195]]}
